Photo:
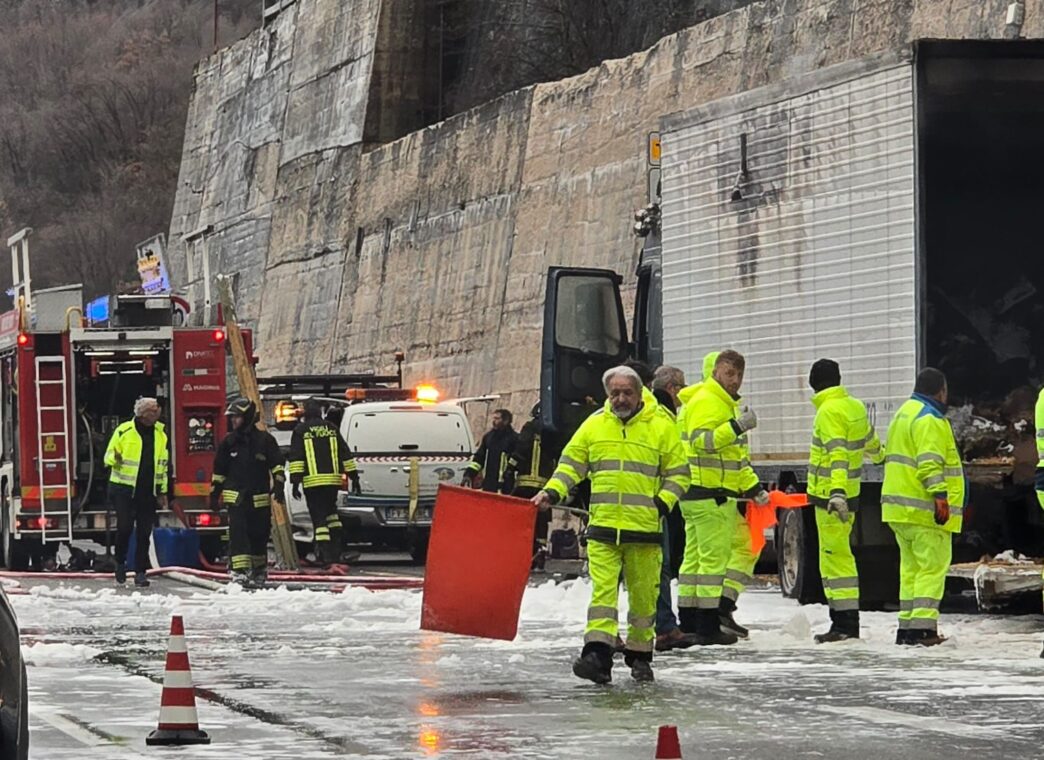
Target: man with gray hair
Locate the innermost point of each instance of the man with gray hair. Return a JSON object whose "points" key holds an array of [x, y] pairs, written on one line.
{"points": [[137, 455], [633, 455]]}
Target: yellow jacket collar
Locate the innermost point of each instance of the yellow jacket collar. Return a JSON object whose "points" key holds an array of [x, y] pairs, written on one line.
{"points": [[828, 394]]}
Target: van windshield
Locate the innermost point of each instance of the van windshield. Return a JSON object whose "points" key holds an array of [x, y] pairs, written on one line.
{"points": [[407, 432]]}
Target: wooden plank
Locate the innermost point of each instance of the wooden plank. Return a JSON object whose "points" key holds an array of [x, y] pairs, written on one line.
{"points": [[282, 534]]}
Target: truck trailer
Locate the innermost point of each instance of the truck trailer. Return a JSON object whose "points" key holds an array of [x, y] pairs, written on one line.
{"points": [[880, 212]]}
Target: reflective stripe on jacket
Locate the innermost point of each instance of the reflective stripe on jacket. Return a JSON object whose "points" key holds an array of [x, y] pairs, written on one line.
{"points": [[921, 460], [841, 435], [628, 464], [719, 459], [318, 454], [127, 442]]}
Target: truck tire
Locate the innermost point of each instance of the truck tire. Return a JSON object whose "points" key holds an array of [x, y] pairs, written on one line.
{"points": [[797, 548], [14, 554]]}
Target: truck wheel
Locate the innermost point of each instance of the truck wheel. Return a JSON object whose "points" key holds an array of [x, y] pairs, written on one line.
{"points": [[15, 554], [797, 546]]}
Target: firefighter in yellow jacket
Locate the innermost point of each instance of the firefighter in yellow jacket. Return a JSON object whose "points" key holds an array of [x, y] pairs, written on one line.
{"points": [[841, 436], [922, 500], [631, 451], [715, 428]]}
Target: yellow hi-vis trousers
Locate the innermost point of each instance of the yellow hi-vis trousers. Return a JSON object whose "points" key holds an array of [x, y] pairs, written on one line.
{"points": [[709, 528], [641, 571], [837, 565], [924, 559], [740, 570]]}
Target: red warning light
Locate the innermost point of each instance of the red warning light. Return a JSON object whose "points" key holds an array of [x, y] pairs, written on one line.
{"points": [[203, 520], [218, 336], [23, 339]]}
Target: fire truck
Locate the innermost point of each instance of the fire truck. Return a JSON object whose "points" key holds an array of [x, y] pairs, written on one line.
{"points": [[65, 386]]}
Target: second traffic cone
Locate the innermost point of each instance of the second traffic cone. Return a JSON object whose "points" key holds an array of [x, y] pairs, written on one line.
{"points": [[178, 722], [667, 745]]}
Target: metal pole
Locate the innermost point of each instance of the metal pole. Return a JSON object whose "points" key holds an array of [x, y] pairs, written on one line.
{"points": [[206, 282]]}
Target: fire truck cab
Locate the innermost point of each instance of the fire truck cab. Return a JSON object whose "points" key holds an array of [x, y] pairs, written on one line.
{"points": [[64, 387]]}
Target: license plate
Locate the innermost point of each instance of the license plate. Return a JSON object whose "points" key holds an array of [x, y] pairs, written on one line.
{"points": [[402, 514]]}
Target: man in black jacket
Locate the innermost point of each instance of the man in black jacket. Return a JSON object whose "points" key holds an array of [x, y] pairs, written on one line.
{"points": [[248, 471], [529, 466], [318, 456], [491, 459]]}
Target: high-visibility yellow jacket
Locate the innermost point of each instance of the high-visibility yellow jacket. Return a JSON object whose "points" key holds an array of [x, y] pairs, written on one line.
{"points": [[841, 435], [1039, 414], [718, 457], [127, 442], [629, 463], [922, 461]]}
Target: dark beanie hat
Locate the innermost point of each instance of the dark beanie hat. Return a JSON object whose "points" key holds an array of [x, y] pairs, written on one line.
{"points": [[825, 374]]}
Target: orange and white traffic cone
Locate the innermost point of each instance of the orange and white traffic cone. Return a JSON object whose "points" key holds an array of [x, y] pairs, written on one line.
{"points": [[667, 745], [178, 722]]}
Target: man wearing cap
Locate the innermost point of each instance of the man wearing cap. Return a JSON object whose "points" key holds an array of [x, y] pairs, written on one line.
{"points": [[631, 451], [841, 436], [922, 500]]}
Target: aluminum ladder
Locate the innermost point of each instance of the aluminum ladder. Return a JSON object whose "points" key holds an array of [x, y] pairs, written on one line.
{"points": [[53, 446]]}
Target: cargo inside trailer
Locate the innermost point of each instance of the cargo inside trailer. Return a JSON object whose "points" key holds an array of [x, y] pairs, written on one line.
{"points": [[980, 117]]}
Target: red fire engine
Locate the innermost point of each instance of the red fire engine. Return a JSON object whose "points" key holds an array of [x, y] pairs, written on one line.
{"points": [[63, 390]]}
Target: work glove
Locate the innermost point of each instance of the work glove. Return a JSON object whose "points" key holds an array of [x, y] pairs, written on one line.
{"points": [[838, 505], [741, 507], [761, 498], [296, 490], [747, 419], [661, 506], [942, 510], [279, 492], [215, 500], [356, 484], [465, 481]]}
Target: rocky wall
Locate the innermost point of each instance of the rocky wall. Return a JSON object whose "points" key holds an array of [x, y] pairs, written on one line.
{"points": [[437, 243]]}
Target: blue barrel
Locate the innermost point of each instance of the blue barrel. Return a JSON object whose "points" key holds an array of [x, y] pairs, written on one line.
{"points": [[175, 547]]}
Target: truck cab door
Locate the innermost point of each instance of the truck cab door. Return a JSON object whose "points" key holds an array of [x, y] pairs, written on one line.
{"points": [[585, 333]]}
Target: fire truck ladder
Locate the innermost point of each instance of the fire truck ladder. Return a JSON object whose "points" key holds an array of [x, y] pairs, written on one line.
{"points": [[53, 445]]}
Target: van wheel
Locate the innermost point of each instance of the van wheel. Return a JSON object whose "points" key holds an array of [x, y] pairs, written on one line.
{"points": [[419, 549], [797, 546]]}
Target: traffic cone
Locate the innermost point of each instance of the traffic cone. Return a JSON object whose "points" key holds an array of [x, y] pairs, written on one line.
{"points": [[178, 722], [667, 745]]}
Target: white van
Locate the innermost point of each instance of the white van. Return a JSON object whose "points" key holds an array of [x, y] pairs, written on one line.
{"points": [[403, 450]]}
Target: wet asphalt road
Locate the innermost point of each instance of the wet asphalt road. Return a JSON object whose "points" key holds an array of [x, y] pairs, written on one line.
{"points": [[287, 674]]}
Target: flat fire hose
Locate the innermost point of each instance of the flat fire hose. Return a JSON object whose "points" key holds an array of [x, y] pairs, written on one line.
{"points": [[282, 533]]}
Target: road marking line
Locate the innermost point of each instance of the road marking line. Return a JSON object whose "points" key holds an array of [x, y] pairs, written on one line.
{"points": [[81, 732], [918, 722]]}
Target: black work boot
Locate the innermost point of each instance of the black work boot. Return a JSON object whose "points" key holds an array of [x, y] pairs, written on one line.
{"points": [[844, 625], [727, 621], [121, 572], [595, 663], [641, 666], [709, 631], [930, 639], [141, 580]]}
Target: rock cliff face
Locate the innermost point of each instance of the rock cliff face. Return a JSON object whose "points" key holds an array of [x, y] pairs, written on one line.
{"points": [[347, 247]]}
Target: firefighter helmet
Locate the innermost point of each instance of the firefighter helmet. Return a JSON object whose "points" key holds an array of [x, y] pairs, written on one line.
{"points": [[242, 407]]}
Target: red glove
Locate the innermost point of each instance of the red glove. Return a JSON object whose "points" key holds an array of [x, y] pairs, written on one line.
{"points": [[942, 510]]}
